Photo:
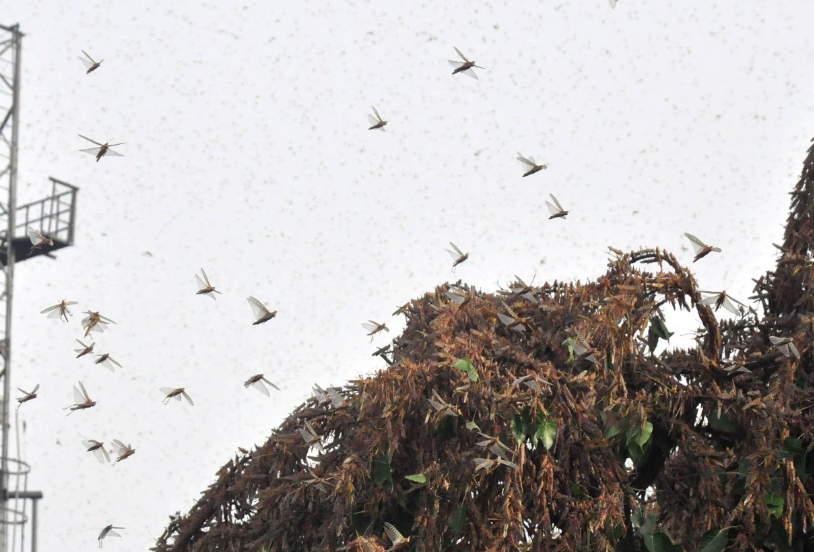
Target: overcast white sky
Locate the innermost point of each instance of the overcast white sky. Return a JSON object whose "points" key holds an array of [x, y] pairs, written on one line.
{"points": [[247, 153]]}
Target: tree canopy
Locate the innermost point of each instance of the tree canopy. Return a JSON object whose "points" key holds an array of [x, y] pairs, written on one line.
{"points": [[538, 418]]}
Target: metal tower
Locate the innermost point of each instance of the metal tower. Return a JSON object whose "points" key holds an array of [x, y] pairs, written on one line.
{"points": [[54, 217]]}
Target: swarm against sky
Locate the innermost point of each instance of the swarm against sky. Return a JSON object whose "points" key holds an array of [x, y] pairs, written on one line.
{"points": [[247, 152]]}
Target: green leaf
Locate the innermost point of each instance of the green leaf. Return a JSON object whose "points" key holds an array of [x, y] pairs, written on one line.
{"points": [[724, 424], [471, 426], [644, 436], [570, 344], [660, 542], [381, 469], [418, 478], [652, 339], [459, 518], [547, 433], [775, 504], [521, 425], [660, 328], [713, 540], [612, 432], [446, 428], [465, 364]]}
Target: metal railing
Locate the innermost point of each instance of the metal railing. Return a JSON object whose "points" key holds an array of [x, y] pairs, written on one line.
{"points": [[53, 216]]}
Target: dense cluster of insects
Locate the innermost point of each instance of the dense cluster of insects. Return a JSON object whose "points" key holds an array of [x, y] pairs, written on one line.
{"points": [[539, 418]]}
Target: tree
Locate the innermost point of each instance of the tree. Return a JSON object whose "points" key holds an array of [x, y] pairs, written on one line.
{"points": [[538, 418]]}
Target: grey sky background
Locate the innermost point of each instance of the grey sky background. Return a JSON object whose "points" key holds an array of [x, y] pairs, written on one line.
{"points": [[247, 153]]}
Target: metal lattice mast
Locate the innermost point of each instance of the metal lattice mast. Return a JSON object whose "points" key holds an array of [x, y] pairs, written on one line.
{"points": [[10, 46]]}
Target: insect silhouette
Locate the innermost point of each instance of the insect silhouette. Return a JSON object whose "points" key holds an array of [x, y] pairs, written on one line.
{"points": [[107, 361], [98, 450], [374, 328], [122, 451], [38, 240], [60, 310], [721, 299], [784, 344], [376, 122], [512, 322], [176, 394], [261, 313], [465, 67], [27, 396], [529, 165], [532, 381], [457, 256], [81, 400], [257, 382], [556, 210], [95, 322], [441, 406], [524, 290], [89, 63], [102, 150], [204, 287], [701, 249], [488, 463], [580, 347], [309, 435], [84, 350], [393, 534], [108, 532]]}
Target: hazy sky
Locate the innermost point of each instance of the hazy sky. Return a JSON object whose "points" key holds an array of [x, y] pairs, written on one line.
{"points": [[247, 153]]}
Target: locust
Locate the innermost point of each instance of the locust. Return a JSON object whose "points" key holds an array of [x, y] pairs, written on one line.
{"points": [[60, 310], [465, 67], [376, 122]]}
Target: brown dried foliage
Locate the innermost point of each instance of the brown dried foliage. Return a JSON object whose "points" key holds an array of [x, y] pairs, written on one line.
{"points": [[720, 451]]}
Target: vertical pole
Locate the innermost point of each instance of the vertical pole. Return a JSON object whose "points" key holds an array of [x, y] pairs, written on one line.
{"points": [[34, 525], [12, 208]]}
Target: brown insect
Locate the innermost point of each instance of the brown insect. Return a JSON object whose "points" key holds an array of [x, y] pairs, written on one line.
{"points": [[512, 322], [701, 249], [28, 396], [458, 296], [257, 382], [721, 299], [556, 210], [465, 67], [441, 406], [374, 328], [84, 350], [261, 313], [580, 346], [98, 450], [204, 287], [532, 381], [529, 165], [81, 400], [60, 310], [310, 436], [102, 150], [95, 322], [494, 444], [176, 393], [457, 256], [38, 240], [89, 63], [394, 535], [108, 532], [122, 451], [523, 290], [107, 361], [784, 344], [377, 122], [488, 463]]}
